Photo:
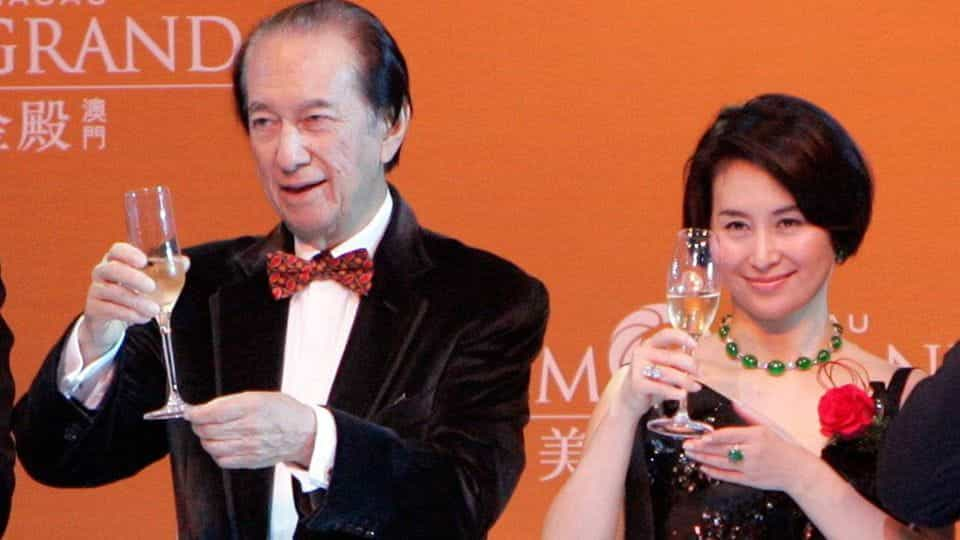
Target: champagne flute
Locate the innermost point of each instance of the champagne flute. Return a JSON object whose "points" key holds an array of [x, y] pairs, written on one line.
{"points": [[151, 227], [693, 296]]}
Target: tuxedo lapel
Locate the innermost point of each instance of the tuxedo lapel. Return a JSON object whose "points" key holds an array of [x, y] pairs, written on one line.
{"points": [[249, 331], [386, 320], [249, 328], [383, 325]]}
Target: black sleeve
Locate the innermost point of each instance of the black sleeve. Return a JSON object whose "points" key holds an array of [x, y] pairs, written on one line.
{"points": [[63, 444], [7, 453], [919, 469]]}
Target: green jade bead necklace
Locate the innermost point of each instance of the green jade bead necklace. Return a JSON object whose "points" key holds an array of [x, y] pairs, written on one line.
{"points": [[778, 367]]}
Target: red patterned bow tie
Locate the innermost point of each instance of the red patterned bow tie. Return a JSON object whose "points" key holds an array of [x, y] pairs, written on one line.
{"points": [[288, 274]]}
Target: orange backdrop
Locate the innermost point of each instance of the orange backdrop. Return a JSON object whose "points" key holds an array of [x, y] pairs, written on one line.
{"points": [[553, 133]]}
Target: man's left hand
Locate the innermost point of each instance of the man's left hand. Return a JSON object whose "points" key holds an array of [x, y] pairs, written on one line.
{"points": [[252, 430]]}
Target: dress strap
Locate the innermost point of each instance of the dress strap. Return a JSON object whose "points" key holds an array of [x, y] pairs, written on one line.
{"points": [[895, 389]]}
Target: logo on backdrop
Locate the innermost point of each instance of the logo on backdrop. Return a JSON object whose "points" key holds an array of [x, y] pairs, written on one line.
{"points": [[562, 426], [44, 45], [38, 50], [43, 125]]}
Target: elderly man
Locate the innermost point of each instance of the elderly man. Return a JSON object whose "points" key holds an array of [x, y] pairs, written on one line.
{"points": [[386, 401]]}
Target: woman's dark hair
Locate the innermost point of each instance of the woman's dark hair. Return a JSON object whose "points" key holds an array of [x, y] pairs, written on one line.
{"points": [[804, 149], [383, 76]]}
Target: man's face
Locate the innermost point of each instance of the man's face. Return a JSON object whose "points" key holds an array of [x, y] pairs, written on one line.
{"points": [[319, 147]]}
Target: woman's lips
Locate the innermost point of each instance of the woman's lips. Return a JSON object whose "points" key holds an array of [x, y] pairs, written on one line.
{"points": [[768, 283]]}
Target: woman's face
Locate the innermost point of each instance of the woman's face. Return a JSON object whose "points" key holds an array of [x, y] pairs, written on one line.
{"points": [[772, 261]]}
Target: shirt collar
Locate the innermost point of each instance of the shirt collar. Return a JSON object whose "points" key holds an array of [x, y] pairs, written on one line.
{"points": [[367, 238]]}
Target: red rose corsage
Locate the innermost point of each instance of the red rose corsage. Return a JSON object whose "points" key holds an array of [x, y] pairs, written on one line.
{"points": [[846, 412]]}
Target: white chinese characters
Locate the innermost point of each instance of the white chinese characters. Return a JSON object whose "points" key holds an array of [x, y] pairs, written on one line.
{"points": [[4, 121], [94, 122], [45, 126], [561, 451]]}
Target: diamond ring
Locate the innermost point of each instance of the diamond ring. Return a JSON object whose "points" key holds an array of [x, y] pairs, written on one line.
{"points": [[652, 372], [735, 454]]}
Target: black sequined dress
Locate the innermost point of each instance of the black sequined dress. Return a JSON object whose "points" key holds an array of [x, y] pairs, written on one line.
{"points": [[667, 497]]}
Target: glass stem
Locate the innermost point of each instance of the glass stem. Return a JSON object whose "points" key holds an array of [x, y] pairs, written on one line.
{"points": [[682, 416], [163, 320]]}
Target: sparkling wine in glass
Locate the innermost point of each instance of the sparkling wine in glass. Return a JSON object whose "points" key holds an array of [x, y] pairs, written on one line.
{"points": [[151, 227], [693, 296]]}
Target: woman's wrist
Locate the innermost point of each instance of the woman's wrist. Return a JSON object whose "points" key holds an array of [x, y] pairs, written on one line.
{"points": [[810, 474], [629, 403]]}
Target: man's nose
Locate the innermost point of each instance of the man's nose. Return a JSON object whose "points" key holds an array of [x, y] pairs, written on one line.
{"points": [[291, 152], [766, 252]]}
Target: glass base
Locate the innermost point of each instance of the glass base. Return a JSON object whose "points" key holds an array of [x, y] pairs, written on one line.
{"points": [[172, 410], [678, 428]]}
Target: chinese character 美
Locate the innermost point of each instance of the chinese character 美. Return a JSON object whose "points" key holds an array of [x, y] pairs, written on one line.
{"points": [[561, 451], [3, 122], [43, 125], [94, 110]]}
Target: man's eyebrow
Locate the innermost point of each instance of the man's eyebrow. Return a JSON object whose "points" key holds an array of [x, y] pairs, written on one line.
{"points": [[319, 103], [255, 106]]}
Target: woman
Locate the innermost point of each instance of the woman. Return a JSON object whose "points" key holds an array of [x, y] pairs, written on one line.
{"points": [[788, 197]]}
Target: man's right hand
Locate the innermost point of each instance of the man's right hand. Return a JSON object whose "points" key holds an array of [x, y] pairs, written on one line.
{"points": [[115, 300]]}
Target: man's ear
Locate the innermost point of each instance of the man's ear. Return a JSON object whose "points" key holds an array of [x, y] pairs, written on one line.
{"points": [[394, 134]]}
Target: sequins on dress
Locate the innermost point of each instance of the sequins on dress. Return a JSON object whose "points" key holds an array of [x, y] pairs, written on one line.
{"points": [[669, 498]]}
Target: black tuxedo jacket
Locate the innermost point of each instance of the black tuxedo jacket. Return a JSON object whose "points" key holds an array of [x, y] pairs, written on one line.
{"points": [[918, 476], [7, 454], [429, 401]]}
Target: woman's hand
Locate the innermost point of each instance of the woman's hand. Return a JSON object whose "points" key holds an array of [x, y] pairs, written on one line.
{"points": [[759, 455], [657, 369]]}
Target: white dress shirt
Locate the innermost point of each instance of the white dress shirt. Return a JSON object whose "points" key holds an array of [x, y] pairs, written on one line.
{"points": [[319, 321]]}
